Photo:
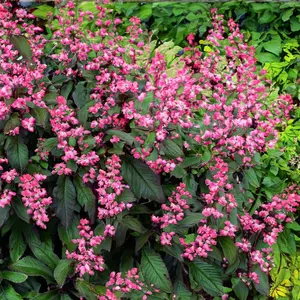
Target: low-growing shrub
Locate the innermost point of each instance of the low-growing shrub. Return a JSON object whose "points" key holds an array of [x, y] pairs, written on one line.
{"points": [[125, 175]]}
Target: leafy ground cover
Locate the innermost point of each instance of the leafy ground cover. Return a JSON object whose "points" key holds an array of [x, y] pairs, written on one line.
{"points": [[111, 137]]}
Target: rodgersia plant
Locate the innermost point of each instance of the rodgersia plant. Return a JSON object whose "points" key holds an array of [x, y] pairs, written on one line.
{"points": [[125, 177]]}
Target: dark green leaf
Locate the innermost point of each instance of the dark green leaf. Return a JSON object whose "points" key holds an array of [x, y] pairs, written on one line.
{"points": [[41, 115], [182, 292], [229, 249], [263, 286], [252, 177], [66, 89], [124, 136], [22, 45], [50, 143], [191, 220], [206, 276], [20, 210], [44, 253], [273, 46], [88, 290], [142, 180], [155, 271], [142, 240], [17, 244], [145, 12], [17, 153], [266, 17], [65, 195], [12, 123], [240, 289], [4, 214], [8, 293], [133, 224], [33, 267], [89, 75], [287, 14], [15, 277], [121, 234], [66, 235], [81, 95], [286, 242], [62, 270], [127, 196], [171, 149], [51, 295], [85, 196], [295, 24], [264, 57], [191, 161]]}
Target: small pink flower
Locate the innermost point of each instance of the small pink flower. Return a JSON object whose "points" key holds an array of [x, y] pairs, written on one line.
{"points": [[28, 124]]}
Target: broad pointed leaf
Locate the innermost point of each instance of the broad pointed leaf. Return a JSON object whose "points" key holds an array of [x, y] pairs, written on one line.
{"points": [[17, 244], [22, 45], [155, 271], [85, 196], [33, 267], [15, 277], [206, 276], [51, 295], [62, 270], [142, 180], [17, 153], [8, 293], [65, 195]]}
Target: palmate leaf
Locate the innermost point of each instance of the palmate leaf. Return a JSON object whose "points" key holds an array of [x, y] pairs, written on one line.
{"points": [[154, 270], [65, 195], [206, 276], [142, 180]]}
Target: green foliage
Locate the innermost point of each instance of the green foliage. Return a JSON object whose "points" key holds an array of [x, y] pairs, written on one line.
{"points": [[144, 182], [272, 28], [155, 271]]}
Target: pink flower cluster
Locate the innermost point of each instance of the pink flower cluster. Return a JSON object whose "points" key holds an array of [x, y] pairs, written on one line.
{"points": [[174, 212], [6, 197], [206, 237], [109, 187], [219, 187], [87, 260], [130, 282], [35, 197]]}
